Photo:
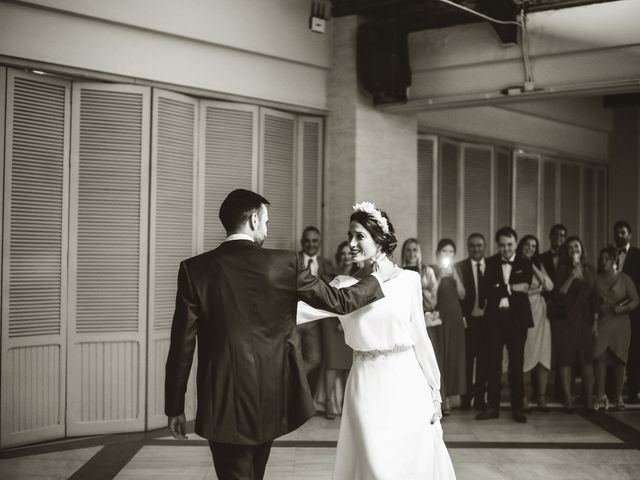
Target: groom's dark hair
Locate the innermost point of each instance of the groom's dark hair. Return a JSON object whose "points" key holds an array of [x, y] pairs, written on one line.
{"points": [[238, 207]]}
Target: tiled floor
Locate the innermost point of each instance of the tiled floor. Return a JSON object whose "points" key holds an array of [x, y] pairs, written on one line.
{"points": [[549, 446]]}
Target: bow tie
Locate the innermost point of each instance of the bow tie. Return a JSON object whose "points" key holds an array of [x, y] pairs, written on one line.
{"points": [[507, 262]]}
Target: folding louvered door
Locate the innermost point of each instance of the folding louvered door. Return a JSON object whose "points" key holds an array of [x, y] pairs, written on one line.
{"points": [[108, 258], [228, 152], [34, 261], [309, 203], [427, 198], [172, 236], [527, 205], [448, 195], [278, 175], [477, 186]]}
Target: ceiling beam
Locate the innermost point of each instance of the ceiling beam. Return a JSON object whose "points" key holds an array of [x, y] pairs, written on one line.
{"points": [[504, 10]]}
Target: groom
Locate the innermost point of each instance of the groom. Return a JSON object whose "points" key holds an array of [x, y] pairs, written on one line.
{"points": [[239, 301]]}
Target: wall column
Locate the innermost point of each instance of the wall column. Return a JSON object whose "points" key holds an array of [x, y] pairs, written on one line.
{"points": [[370, 155]]}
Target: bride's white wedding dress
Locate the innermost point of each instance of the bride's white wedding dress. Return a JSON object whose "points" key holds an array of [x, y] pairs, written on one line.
{"points": [[386, 431]]}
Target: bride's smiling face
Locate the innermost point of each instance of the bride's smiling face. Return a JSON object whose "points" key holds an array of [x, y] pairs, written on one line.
{"points": [[362, 245]]}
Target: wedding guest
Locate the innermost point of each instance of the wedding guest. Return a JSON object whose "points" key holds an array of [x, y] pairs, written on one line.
{"points": [[537, 348], [473, 305], [311, 333], [337, 355], [448, 338], [506, 283], [629, 263], [618, 297], [572, 335], [412, 260], [555, 310]]}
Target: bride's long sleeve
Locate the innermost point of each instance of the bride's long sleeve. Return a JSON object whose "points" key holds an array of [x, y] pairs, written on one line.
{"points": [[422, 344]]}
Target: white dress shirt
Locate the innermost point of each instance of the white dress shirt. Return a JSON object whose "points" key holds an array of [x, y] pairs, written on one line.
{"points": [[313, 266], [238, 236], [622, 256], [477, 311], [506, 275]]}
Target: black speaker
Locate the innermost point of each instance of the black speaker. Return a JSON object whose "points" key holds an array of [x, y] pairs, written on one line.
{"points": [[383, 60]]}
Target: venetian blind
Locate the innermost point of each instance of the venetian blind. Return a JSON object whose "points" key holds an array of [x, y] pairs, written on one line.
{"points": [[311, 152], [502, 191], [448, 199], [570, 197], [426, 149], [548, 202], [477, 190], [278, 175], [526, 194], [228, 153]]}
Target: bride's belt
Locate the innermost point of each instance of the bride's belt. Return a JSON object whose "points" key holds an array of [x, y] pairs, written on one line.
{"points": [[368, 355]]}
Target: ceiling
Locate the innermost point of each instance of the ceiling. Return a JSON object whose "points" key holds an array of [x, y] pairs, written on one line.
{"points": [[417, 15]]}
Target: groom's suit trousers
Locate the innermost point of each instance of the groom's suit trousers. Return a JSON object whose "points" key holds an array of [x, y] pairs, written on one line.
{"points": [[240, 462]]}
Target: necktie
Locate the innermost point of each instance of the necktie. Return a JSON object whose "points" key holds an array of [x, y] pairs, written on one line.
{"points": [[481, 300]]}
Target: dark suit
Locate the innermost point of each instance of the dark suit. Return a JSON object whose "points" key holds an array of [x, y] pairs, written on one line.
{"points": [[311, 332], [546, 259], [507, 327], [476, 337], [632, 268], [239, 301]]}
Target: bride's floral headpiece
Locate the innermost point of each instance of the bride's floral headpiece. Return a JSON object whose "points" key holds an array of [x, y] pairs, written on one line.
{"points": [[371, 210]]}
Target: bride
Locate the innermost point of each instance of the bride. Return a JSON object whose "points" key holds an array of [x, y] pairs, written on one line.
{"points": [[390, 426]]}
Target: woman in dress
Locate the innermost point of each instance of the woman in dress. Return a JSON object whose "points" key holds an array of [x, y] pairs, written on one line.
{"points": [[537, 348], [412, 260], [618, 297], [448, 337], [573, 333], [336, 353], [389, 428]]}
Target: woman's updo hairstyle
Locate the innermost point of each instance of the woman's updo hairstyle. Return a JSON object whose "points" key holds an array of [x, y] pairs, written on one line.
{"points": [[387, 241]]}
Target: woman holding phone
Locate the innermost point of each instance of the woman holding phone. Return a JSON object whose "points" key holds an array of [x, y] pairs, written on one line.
{"points": [[618, 297], [448, 338]]}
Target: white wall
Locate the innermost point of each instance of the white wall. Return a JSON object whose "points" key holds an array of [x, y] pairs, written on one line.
{"points": [[253, 48], [573, 46], [577, 127]]}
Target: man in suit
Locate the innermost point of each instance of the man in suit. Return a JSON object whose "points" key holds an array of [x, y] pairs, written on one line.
{"points": [[508, 312], [239, 301], [472, 271], [629, 263], [555, 310], [311, 333]]}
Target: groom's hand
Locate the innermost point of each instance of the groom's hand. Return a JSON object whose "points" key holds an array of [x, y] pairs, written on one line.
{"points": [[177, 427]]}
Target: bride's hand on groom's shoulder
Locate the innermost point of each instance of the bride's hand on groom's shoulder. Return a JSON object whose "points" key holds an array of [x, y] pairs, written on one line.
{"points": [[386, 269]]}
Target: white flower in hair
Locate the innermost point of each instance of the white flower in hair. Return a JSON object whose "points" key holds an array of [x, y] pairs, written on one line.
{"points": [[370, 209]]}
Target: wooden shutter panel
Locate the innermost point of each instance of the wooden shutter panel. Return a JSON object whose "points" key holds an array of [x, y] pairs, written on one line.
{"points": [[108, 258], [278, 175], [172, 233], [228, 160], [502, 193], [570, 197], [426, 164], [589, 223], [448, 198], [34, 256], [526, 194], [549, 206], [477, 188], [310, 172]]}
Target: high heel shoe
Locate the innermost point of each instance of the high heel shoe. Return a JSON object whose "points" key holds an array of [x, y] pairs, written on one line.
{"points": [[601, 403]]}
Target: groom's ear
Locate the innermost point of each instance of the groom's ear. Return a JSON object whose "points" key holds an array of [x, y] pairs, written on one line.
{"points": [[254, 220]]}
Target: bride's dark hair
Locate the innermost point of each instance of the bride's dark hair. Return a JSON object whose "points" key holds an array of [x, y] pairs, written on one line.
{"points": [[387, 241]]}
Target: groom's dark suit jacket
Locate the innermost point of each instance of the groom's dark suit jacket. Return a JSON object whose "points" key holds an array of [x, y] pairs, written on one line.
{"points": [[240, 300]]}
